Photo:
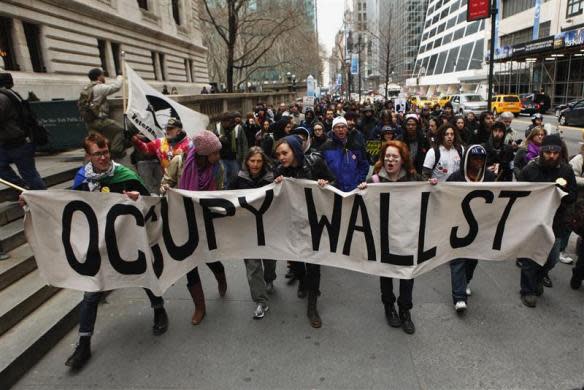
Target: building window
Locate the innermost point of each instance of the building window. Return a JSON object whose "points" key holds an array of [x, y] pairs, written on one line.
{"points": [[431, 65], [451, 61], [33, 41], [176, 11], [188, 68], [458, 34], [440, 64], [512, 7], [575, 7], [143, 4], [477, 56], [101, 46], [447, 39], [451, 22], [162, 66], [116, 53], [6, 46], [464, 57]]}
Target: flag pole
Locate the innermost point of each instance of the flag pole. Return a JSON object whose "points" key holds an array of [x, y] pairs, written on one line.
{"points": [[9, 184], [124, 91]]}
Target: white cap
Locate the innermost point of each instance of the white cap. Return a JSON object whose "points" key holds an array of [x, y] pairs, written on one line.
{"points": [[340, 121]]}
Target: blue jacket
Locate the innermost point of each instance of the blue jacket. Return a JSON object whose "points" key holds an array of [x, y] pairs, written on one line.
{"points": [[347, 162]]}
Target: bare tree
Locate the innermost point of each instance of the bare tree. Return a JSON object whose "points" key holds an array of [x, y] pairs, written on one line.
{"points": [[246, 35]]}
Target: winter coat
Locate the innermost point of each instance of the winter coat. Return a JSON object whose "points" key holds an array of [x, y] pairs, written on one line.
{"points": [[11, 132], [233, 142], [163, 149], [311, 166], [348, 162], [502, 155], [460, 175], [244, 181], [123, 179]]}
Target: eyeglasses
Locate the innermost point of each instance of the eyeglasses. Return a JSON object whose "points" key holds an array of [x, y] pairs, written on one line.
{"points": [[101, 154]]}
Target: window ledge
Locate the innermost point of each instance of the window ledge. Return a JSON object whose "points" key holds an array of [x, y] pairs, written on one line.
{"points": [[150, 16]]}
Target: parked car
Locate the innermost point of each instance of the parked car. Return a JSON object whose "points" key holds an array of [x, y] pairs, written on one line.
{"points": [[468, 102], [572, 115], [502, 103], [535, 102], [443, 100], [421, 101], [560, 107]]}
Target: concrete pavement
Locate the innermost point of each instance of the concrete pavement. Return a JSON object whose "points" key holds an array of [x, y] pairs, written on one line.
{"points": [[497, 344]]}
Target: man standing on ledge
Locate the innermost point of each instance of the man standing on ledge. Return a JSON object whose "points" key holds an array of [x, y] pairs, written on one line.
{"points": [[94, 110]]}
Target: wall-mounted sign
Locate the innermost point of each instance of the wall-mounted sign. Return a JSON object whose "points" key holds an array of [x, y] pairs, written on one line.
{"points": [[478, 9]]}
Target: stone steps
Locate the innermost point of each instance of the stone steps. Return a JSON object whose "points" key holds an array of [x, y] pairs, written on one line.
{"points": [[33, 316]]}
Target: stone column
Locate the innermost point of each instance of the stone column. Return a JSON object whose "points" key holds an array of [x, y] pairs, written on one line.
{"points": [[21, 52], [157, 68], [109, 59]]}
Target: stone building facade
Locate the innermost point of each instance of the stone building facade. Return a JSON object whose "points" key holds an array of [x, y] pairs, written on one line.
{"points": [[49, 45]]}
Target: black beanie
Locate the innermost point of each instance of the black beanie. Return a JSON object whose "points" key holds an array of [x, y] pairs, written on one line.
{"points": [[551, 143]]}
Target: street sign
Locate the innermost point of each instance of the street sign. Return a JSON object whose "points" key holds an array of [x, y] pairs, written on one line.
{"points": [[478, 9], [354, 64]]}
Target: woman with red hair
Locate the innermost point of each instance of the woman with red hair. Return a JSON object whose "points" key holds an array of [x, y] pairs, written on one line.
{"points": [[395, 165]]}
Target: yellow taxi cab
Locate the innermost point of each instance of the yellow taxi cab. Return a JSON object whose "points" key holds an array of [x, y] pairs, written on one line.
{"points": [[443, 100], [503, 103], [421, 101]]}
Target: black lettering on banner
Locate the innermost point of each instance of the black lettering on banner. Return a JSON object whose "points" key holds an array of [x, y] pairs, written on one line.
{"points": [[90, 267], [473, 226], [359, 207], [259, 214], [180, 252], [158, 264], [333, 226], [151, 215], [513, 196], [209, 215], [386, 255], [123, 266], [422, 254]]}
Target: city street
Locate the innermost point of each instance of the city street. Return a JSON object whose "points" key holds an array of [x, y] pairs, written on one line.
{"points": [[497, 344], [572, 135]]}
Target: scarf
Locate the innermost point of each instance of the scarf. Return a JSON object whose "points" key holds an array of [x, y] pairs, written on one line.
{"points": [[94, 178], [195, 178]]}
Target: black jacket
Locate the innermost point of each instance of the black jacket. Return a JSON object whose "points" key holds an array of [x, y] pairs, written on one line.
{"points": [[536, 172], [502, 155], [244, 181], [11, 131]]}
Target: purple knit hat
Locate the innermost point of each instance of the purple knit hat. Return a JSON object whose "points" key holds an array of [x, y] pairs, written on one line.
{"points": [[206, 142]]}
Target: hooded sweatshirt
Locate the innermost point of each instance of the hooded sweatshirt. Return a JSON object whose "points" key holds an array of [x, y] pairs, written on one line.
{"points": [[311, 166], [462, 174]]}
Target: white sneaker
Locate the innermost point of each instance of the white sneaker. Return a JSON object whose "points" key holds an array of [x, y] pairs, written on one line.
{"points": [[260, 311], [468, 291], [566, 259], [460, 306]]}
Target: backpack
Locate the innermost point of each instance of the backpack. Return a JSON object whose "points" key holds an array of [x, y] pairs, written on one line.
{"points": [[437, 155], [88, 109], [28, 121]]}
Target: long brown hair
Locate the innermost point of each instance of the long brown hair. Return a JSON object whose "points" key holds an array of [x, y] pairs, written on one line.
{"points": [[404, 153]]}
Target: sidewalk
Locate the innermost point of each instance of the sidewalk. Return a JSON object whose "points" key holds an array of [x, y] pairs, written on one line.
{"points": [[497, 344]]}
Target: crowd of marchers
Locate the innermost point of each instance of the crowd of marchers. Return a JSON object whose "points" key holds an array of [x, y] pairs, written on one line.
{"points": [[344, 144]]}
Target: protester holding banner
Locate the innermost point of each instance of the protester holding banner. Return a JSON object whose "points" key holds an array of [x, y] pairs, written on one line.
{"points": [[443, 160], [174, 142], [473, 170], [203, 172], [395, 165], [345, 155], [294, 163], [547, 167], [101, 174], [257, 172]]}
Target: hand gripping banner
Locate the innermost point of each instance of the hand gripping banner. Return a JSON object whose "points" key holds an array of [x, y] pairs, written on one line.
{"points": [[97, 241]]}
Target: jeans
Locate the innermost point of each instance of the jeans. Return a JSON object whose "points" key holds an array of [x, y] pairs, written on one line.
{"points": [[231, 169], [461, 273], [578, 270], [532, 273], [308, 275], [564, 237], [258, 276], [23, 157], [193, 277], [406, 287], [88, 309]]}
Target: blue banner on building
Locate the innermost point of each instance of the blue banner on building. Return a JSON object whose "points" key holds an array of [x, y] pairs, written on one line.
{"points": [[354, 64], [535, 34]]}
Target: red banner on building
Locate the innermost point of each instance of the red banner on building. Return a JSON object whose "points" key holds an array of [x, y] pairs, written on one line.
{"points": [[478, 9]]}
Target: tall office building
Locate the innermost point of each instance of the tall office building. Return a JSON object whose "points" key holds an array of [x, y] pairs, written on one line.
{"points": [[365, 41], [451, 53]]}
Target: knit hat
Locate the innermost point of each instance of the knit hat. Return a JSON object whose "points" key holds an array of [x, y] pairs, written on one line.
{"points": [[339, 121], [206, 142], [551, 143]]}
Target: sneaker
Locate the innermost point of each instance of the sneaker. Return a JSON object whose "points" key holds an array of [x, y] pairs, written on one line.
{"points": [[547, 282], [4, 256], [460, 306], [529, 300], [468, 291], [270, 287], [160, 321], [260, 312], [391, 316], [406, 321], [566, 259]]}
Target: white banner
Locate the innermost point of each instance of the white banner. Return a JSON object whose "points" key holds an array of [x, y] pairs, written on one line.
{"points": [[149, 110], [97, 241]]}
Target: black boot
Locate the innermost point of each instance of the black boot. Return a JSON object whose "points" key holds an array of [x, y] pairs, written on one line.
{"points": [[81, 354], [301, 293], [391, 316], [406, 321], [312, 312], [160, 321]]}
